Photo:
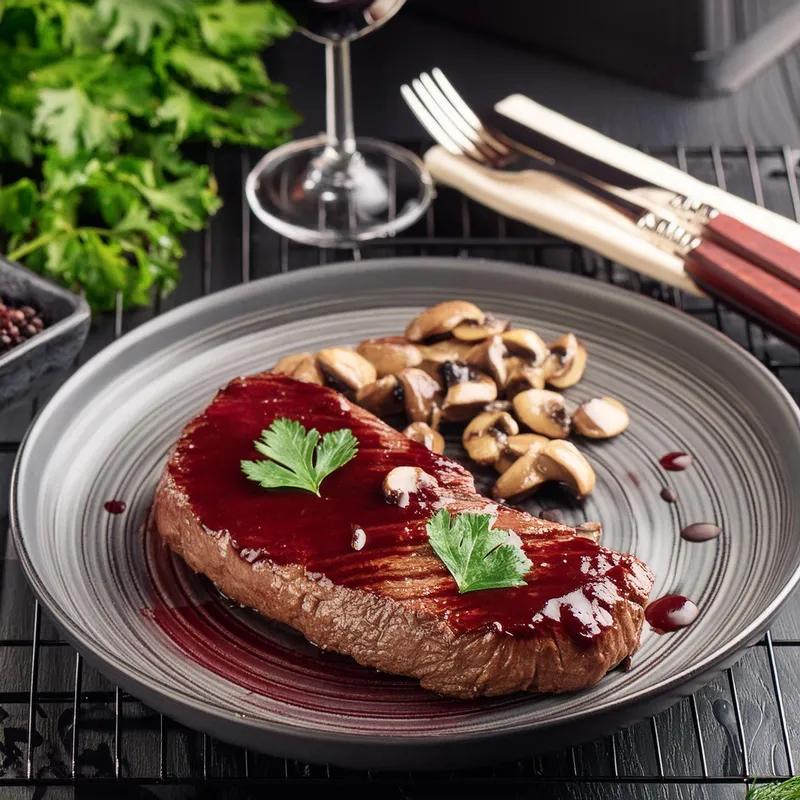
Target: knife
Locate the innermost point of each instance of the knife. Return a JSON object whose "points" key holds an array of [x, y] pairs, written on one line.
{"points": [[730, 233]]}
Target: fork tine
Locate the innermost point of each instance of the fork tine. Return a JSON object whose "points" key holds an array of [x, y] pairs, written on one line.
{"points": [[427, 121], [464, 144], [454, 116], [463, 108]]}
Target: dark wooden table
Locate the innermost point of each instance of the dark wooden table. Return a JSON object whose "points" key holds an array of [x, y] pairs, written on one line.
{"points": [[65, 731]]}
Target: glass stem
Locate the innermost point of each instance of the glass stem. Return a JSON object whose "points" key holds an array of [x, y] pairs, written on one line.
{"points": [[339, 97]]}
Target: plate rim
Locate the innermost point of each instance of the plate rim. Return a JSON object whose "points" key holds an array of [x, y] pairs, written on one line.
{"points": [[141, 684]]}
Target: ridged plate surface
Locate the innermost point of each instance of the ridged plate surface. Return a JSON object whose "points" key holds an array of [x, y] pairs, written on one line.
{"points": [[164, 633]]}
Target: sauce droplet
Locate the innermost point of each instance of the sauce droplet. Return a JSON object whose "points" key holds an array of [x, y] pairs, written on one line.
{"points": [[671, 613], [114, 506], [701, 532], [669, 495], [676, 461]]}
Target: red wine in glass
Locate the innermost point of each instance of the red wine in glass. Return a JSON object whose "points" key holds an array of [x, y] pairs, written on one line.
{"points": [[337, 19]]}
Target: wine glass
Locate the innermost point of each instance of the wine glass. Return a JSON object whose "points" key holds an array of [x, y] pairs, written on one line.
{"points": [[335, 190]]}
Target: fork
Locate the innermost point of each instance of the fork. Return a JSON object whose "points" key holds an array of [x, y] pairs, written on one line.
{"points": [[448, 118], [737, 280]]}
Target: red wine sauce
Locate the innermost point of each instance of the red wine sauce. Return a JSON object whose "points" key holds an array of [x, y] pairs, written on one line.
{"points": [[701, 532], [671, 613], [677, 461], [114, 506]]}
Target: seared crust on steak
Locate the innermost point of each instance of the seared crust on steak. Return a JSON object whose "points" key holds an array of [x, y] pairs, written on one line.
{"points": [[395, 627]]}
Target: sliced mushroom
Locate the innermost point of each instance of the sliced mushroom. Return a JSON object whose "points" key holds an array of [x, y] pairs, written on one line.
{"points": [[441, 319], [424, 434], [346, 368], [434, 355], [490, 356], [600, 418], [516, 446], [527, 344], [566, 363], [390, 354], [590, 530], [555, 461], [301, 367], [421, 394], [382, 397], [401, 482], [464, 399], [453, 372], [485, 437], [522, 376], [543, 412], [287, 364], [476, 331]]}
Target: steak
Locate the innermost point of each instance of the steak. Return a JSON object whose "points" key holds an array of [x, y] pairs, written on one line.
{"points": [[357, 575]]}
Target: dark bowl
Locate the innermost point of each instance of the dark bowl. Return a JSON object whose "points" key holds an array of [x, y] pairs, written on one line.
{"points": [[27, 368]]}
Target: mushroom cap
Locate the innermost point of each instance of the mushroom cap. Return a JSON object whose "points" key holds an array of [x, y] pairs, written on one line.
{"points": [[554, 461], [486, 421], [346, 367], [464, 399], [543, 412], [424, 434], [516, 446], [567, 361], [442, 318], [300, 366], [490, 356], [522, 376], [476, 331], [287, 364], [390, 354], [401, 482], [527, 344], [421, 394], [485, 437], [382, 397], [562, 461], [600, 418]]}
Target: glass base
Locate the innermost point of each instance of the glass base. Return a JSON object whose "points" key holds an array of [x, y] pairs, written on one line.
{"points": [[314, 194]]}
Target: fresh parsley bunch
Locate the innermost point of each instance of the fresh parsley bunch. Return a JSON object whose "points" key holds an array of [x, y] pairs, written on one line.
{"points": [[96, 101]]}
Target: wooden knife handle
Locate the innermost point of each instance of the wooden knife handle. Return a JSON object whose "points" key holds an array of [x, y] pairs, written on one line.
{"points": [[746, 287], [780, 259]]}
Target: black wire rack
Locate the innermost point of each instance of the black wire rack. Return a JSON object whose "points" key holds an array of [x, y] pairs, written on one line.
{"points": [[66, 731]]}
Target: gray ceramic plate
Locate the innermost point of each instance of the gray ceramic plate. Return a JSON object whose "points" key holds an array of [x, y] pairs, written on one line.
{"points": [[165, 635]]}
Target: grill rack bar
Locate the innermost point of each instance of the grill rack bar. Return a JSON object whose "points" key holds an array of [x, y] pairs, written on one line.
{"points": [[460, 234]]}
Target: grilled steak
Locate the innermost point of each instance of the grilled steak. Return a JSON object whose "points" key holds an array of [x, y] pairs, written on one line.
{"points": [[356, 574]]}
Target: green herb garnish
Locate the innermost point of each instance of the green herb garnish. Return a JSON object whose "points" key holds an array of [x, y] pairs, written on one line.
{"points": [[477, 555], [297, 458], [788, 790], [97, 99]]}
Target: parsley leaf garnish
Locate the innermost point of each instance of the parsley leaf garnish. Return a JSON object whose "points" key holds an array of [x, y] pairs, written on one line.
{"points": [[97, 99], [477, 555], [296, 458]]}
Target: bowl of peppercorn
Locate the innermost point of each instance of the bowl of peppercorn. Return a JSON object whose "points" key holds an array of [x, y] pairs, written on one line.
{"points": [[42, 329]]}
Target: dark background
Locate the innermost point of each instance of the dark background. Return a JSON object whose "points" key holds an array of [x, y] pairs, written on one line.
{"points": [[766, 111]]}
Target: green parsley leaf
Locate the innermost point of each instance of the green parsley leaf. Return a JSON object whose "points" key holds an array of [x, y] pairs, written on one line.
{"points": [[296, 458], [477, 555], [205, 71], [229, 27], [69, 119], [788, 790], [138, 22]]}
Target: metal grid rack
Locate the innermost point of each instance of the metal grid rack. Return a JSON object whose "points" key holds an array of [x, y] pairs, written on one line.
{"points": [[66, 731]]}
